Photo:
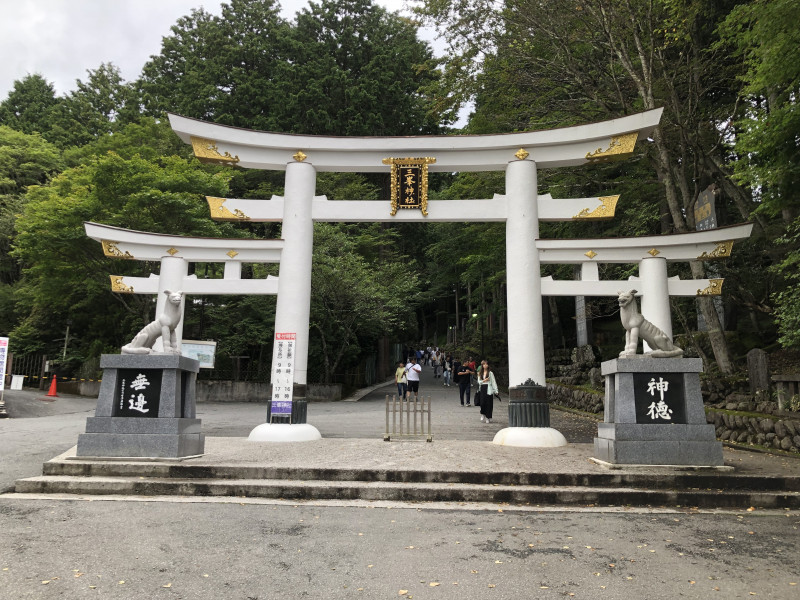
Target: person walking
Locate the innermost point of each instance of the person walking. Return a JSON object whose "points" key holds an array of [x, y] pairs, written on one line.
{"points": [[487, 388], [401, 380], [436, 362], [447, 366], [412, 375], [464, 375]]}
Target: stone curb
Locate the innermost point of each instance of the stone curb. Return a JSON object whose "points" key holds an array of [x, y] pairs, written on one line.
{"points": [[399, 491]]}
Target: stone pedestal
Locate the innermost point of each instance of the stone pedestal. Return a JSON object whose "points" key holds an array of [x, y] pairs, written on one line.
{"points": [[529, 419], [654, 414], [146, 408]]}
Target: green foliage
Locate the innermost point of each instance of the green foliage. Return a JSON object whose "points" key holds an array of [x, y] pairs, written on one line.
{"points": [[185, 77], [25, 160], [347, 67], [787, 301], [146, 138], [368, 65], [98, 106], [767, 144], [766, 37], [65, 274], [355, 300], [30, 106]]}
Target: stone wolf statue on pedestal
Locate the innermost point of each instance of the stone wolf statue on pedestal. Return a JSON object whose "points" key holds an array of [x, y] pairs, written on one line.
{"points": [[637, 326], [163, 327]]}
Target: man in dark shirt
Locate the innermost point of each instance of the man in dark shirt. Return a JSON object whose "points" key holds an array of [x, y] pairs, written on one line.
{"points": [[464, 372]]}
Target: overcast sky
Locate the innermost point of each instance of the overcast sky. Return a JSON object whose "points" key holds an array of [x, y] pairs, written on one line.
{"points": [[61, 39]]}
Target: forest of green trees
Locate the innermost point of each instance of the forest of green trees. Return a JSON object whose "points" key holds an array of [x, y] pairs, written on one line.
{"points": [[725, 72]]}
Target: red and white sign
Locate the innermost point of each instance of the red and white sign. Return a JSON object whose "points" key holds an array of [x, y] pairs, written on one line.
{"points": [[3, 357]]}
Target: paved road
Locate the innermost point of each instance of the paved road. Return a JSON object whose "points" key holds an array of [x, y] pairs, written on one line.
{"points": [[248, 550]]}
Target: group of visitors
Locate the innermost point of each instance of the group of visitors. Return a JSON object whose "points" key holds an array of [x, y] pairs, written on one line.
{"points": [[452, 371]]}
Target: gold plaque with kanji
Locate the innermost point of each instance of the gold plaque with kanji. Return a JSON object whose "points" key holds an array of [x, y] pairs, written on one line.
{"points": [[409, 183]]}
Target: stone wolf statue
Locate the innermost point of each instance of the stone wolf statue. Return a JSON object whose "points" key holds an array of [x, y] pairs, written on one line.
{"points": [[163, 327], [637, 326]]}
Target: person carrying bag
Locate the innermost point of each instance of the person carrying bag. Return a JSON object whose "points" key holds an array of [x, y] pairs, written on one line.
{"points": [[488, 389]]}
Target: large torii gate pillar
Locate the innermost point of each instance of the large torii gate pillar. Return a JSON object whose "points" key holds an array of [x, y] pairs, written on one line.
{"points": [[523, 280], [293, 309]]}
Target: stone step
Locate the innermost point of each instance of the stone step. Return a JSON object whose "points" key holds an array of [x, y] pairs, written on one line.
{"points": [[295, 489], [653, 481]]}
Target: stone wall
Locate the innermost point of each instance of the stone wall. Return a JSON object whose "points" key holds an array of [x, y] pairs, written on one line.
{"points": [[232, 391], [251, 391], [576, 398], [575, 366], [781, 432]]}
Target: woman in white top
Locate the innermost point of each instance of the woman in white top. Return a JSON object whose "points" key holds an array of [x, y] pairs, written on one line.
{"points": [[488, 388]]}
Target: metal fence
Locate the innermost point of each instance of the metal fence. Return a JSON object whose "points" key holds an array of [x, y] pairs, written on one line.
{"points": [[417, 422], [30, 366]]}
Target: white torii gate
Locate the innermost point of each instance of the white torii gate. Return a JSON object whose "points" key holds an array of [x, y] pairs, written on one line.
{"points": [[518, 154], [175, 253]]}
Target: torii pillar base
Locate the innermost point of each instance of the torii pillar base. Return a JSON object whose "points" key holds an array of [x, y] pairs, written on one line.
{"points": [[281, 429], [283, 432], [529, 419]]}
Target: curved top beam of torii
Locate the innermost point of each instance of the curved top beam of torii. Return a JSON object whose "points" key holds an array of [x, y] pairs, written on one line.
{"points": [[141, 245], [567, 146]]}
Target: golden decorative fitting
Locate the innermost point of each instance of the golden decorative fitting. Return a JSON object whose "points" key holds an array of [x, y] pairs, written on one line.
{"points": [[620, 147], [723, 250], [118, 286], [606, 209], [220, 213], [299, 156], [425, 160], [110, 249], [714, 288], [206, 151], [410, 163], [232, 253], [654, 252], [522, 154], [172, 251], [590, 254]]}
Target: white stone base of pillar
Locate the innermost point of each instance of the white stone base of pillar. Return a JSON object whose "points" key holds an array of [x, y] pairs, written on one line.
{"points": [[283, 432], [530, 437]]}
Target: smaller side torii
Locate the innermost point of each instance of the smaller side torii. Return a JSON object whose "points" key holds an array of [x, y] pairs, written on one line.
{"points": [[175, 253], [652, 253]]}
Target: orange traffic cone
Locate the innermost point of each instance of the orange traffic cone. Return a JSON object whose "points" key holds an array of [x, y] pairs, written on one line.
{"points": [[52, 391]]}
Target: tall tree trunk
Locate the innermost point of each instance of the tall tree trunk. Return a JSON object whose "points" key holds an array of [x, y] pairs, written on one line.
{"points": [[716, 335]]}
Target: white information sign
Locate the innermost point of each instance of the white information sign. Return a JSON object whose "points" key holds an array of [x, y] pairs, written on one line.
{"points": [[283, 373], [201, 351], [3, 356]]}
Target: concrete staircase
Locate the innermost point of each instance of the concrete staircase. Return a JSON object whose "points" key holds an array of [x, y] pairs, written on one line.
{"points": [[667, 489]]}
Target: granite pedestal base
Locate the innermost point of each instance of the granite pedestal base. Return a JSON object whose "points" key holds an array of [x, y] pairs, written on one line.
{"points": [[654, 414], [146, 408]]}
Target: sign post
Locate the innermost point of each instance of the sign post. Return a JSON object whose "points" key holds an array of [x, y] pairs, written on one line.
{"points": [[3, 356], [283, 377]]}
